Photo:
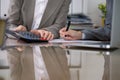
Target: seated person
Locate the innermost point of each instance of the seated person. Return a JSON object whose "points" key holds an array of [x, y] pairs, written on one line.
{"points": [[45, 21], [102, 33]]}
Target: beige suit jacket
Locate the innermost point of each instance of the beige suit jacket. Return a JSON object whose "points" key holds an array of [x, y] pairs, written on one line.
{"points": [[22, 63], [21, 12]]}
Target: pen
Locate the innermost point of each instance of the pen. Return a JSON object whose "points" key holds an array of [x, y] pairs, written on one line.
{"points": [[68, 25]]}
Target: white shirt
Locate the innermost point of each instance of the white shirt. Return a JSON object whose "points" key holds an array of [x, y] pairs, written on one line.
{"points": [[39, 65], [40, 6], [83, 36]]}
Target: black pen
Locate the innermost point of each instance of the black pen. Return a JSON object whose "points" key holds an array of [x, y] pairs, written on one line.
{"points": [[68, 25]]}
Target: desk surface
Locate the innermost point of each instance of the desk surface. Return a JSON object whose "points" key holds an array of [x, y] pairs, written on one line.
{"points": [[59, 63], [82, 44]]}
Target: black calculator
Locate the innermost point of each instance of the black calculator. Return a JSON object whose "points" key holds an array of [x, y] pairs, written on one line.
{"points": [[26, 36]]}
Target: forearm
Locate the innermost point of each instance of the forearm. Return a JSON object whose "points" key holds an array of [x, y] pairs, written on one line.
{"points": [[102, 34]]}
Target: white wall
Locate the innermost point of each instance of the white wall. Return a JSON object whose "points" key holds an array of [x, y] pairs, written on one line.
{"points": [[78, 6], [4, 4], [93, 11]]}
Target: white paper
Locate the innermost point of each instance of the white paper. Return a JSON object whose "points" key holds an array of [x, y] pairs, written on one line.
{"points": [[72, 41]]}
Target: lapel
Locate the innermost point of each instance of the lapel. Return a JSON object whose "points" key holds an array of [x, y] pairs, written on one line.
{"points": [[52, 5], [30, 7]]}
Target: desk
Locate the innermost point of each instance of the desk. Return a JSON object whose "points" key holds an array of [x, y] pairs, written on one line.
{"points": [[78, 64]]}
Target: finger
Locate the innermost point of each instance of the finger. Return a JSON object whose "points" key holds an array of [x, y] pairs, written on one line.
{"points": [[50, 36], [23, 29], [62, 30], [68, 38], [62, 35], [20, 49], [20, 28], [46, 34], [41, 33], [35, 32], [66, 34]]}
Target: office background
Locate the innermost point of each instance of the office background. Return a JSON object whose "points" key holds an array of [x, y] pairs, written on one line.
{"points": [[88, 7]]}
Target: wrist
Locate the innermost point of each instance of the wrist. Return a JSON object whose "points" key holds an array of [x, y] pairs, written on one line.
{"points": [[79, 34]]}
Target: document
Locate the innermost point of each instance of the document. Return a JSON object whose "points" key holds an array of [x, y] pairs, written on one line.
{"points": [[81, 43], [72, 41]]}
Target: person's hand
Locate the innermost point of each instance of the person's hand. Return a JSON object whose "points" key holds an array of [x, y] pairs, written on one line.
{"points": [[70, 34], [44, 34], [20, 28]]}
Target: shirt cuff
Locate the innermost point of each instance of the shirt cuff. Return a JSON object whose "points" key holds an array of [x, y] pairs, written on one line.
{"points": [[83, 36]]}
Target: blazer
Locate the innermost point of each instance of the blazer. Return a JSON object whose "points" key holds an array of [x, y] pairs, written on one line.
{"points": [[21, 12], [105, 32], [21, 63]]}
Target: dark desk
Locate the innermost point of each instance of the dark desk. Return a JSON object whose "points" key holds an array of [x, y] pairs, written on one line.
{"points": [[78, 64]]}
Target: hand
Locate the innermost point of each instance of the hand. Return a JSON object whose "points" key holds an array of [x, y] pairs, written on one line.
{"points": [[20, 49], [44, 34], [70, 34], [20, 28]]}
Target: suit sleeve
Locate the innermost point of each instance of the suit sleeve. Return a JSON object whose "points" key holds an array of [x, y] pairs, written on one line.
{"points": [[14, 13], [102, 34], [60, 20]]}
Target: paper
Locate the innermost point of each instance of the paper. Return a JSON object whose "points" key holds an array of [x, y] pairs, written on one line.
{"points": [[82, 43], [72, 41]]}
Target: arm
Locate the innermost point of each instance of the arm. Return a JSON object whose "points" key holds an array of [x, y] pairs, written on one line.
{"points": [[14, 17], [60, 20], [102, 34]]}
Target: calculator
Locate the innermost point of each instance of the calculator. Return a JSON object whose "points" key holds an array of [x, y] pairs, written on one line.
{"points": [[26, 36]]}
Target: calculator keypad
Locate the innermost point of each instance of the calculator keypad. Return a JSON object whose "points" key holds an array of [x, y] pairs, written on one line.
{"points": [[29, 35]]}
